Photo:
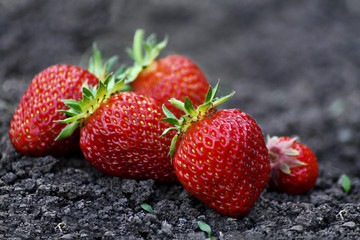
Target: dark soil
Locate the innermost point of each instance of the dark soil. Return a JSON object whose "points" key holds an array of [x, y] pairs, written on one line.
{"points": [[295, 66]]}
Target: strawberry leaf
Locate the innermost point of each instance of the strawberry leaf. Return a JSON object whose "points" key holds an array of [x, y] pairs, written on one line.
{"points": [[72, 104], [173, 145], [208, 95], [96, 66], [96, 54], [110, 84], [167, 112], [172, 121], [121, 71], [178, 104], [92, 99], [119, 83], [85, 103], [150, 42], [97, 60], [203, 108], [87, 93], [215, 90], [143, 52], [101, 92], [68, 130], [69, 112], [189, 107], [223, 99], [133, 72], [109, 64], [137, 50], [192, 114], [69, 120], [168, 129]]}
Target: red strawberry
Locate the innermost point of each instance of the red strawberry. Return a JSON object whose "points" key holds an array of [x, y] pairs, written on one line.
{"points": [[121, 134], [294, 168], [220, 156], [123, 138], [170, 77], [33, 128]]}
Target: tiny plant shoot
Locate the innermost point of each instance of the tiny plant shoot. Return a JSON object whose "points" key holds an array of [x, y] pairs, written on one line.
{"points": [[147, 207], [345, 183], [206, 228]]}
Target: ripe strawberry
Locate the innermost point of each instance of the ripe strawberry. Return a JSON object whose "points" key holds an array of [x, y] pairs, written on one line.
{"points": [[170, 77], [32, 129], [220, 156], [123, 138], [294, 168], [121, 134]]}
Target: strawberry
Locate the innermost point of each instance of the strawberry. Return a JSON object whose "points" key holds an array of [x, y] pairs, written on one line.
{"points": [[294, 168], [121, 133], [170, 77], [32, 129], [220, 157]]}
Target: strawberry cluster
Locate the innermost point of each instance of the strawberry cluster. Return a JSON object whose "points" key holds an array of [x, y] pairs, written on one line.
{"points": [[158, 119]]}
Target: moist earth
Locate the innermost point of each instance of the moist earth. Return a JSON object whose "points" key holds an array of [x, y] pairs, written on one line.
{"points": [[295, 67]]}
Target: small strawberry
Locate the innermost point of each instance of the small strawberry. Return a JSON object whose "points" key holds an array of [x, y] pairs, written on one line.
{"points": [[121, 133], [32, 129], [220, 157], [294, 168], [170, 77]]}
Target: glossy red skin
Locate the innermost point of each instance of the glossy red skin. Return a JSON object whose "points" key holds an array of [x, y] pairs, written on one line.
{"points": [[32, 129], [123, 138], [172, 77], [302, 178], [223, 161]]}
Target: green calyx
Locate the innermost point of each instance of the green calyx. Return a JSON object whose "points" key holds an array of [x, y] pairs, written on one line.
{"points": [[192, 115], [144, 52], [102, 70], [92, 98]]}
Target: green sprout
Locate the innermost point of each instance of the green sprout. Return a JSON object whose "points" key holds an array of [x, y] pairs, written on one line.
{"points": [[206, 228], [147, 207], [345, 183]]}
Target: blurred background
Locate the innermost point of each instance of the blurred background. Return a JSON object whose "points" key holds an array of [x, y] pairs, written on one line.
{"points": [[293, 64]]}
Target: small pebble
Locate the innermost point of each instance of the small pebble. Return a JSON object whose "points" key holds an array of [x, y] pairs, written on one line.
{"points": [[30, 184], [298, 228], [68, 236], [349, 224], [9, 178]]}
